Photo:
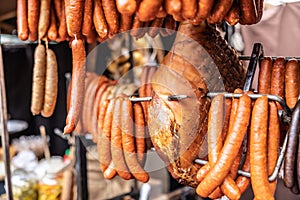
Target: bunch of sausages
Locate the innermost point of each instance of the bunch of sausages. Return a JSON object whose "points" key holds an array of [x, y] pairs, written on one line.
{"points": [[101, 19], [229, 121], [59, 20], [280, 77], [44, 82], [121, 140], [97, 90], [117, 126], [232, 11]]}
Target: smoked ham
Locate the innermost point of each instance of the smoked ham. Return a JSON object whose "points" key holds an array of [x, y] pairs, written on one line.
{"points": [[200, 61]]}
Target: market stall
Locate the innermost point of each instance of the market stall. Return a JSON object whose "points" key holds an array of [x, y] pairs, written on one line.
{"points": [[127, 81]]}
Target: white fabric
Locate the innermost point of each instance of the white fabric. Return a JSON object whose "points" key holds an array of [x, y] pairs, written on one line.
{"points": [[279, 2], [278, 31]]}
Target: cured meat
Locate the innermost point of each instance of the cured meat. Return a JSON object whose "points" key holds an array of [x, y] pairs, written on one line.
{"points": [[178, 128]]}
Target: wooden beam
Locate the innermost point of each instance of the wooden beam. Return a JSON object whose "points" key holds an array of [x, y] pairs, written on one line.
{"points": [[7, 15]]}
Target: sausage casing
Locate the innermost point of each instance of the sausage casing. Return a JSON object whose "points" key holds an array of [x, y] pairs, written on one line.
{"points": [[38, 80], [220, 9], [140, 142], [189, 9], [148, 10], [78, 77], [44, 20], [128, 143], [87, 23], [22, 23], [292, 80], [33, 17], [273, 141], [99, 19], [264, 77], [116, 144], [51, 84], [258, 149], [104, 138], [126, 7], [74, 16], [111, 15], [249, 13], [290, 155]]}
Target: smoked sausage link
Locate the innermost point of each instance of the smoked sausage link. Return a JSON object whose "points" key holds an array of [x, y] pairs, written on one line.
{"points": [[111, 15], [258, 149], [99, 19], [33, 18], [22, 23], [52, 31], [126, 7], [204, 10], [78, 77], [44, 20], [74, 16], [189, 9], [249, 13], [292, 90], [264, 77], [273, 141], [220, 10], [233, 15], [51, 84], [290, 155], [230, 149], [62, 29], [128, 143], [140, 129], [38, 81], [104, 138], [117, 153], [278, 75], [148, 9], [87, 23]]}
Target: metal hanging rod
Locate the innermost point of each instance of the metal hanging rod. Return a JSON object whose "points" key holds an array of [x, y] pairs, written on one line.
{"points": [[170, 98], [7, 40], [278, 99], [275, 173], [226, 95], [241, 57]]}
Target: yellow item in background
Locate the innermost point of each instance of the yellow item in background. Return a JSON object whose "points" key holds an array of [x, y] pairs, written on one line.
{"points": [[50, 188]]}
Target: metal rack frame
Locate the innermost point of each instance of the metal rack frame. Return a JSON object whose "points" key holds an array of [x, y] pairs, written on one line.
{"points": [[4, 131], [254, 59]]}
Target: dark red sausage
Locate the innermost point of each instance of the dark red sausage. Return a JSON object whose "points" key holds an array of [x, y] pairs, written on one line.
{"points": [[290, 155]]}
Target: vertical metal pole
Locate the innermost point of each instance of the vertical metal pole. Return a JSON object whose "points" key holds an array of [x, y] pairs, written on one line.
{"points": [[81, 170], [4, 132], [257, 52], [131, 60]]}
